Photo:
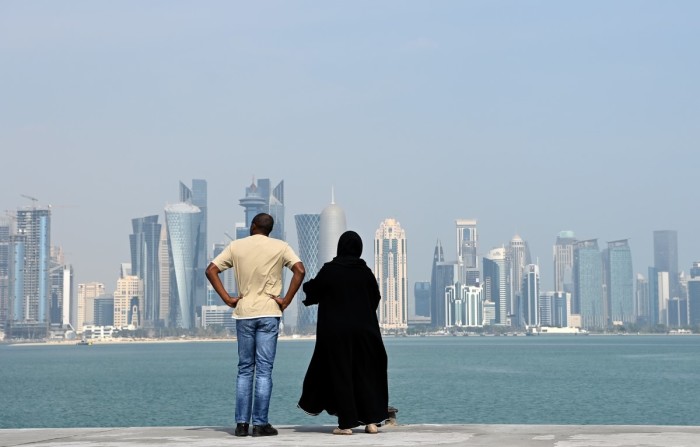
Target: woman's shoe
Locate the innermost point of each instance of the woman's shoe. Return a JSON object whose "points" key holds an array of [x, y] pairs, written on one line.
{"points": [[342, 431], [371, 428]]}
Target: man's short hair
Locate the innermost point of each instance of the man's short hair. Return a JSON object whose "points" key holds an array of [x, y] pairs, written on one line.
{"points": [[264, 222]]}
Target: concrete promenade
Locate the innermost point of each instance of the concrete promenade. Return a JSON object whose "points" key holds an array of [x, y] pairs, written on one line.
{"points": [[401, 435]]}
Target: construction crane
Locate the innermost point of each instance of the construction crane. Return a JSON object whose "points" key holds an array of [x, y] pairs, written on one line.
{"points": [[33, 199]]}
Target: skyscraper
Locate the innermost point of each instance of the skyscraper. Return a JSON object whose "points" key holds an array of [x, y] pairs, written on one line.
{"points": [[308, 236], [261, 198], [519, 256], [437, 293], [183, 221], [530, 295], [390, 270], [496, 283], [164, 276], [666, 258], [421, 299], [642, 300], [197, 196], [564, 261], [467, 251], [5, 231], [35, 225], [588, 284], [144, 243], [332, 224], [694, 296], [619, 284]]}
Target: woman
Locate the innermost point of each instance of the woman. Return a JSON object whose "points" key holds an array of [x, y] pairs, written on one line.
{"points": [[347, 376]]}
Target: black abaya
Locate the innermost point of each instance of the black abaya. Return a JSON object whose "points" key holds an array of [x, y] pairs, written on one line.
{"points": [[347, 376]]}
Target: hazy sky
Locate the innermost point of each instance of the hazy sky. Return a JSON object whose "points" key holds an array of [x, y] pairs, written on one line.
{"points": [[531, 116]]}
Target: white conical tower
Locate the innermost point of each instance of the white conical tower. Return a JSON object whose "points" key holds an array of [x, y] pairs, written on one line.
{"points": [[332, 225]]}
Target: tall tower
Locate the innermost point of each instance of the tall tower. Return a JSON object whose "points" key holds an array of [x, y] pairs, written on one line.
{"points": [[35, 225], [496, 283], [530, 295], [197, 196], [519, 256], [666, 258], [564, 261], [588, 284], [441, 276], [332, 226], [164, 277], [183, 221], [5, 231], [620, 277], [308, 235], [467, 249], [145, 253], [390, 270], [259, 198]]}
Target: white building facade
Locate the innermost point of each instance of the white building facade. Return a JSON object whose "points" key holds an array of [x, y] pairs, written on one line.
{"points": [[390, 271]]}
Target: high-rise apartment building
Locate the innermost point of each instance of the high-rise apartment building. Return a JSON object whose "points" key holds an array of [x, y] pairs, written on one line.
{"points": [[144, 243], [464, 306], [496, 283], [127, 302], [183, 220], [588, 284], [308, 236], [564, 261], [666, 258], [69, 316], [390, 269], [34, 224], [619, 283]]}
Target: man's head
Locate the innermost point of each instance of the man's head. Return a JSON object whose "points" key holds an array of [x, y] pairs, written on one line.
{"points": [[262, 224]]}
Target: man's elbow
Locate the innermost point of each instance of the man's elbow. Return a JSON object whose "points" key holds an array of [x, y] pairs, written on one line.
{"points": [[211, 271]]}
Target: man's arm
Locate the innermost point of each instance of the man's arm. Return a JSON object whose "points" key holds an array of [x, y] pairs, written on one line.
{"points": [[212, 273], [299, 272]]}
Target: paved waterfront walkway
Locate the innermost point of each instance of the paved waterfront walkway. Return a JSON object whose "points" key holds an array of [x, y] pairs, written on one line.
{"points": [[402, 435]]}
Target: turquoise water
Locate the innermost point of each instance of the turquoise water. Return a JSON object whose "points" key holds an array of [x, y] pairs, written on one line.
{"points": [[638, 380]]}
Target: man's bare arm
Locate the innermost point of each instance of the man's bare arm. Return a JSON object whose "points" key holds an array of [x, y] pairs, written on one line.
{"points": [[212, 273], [299, 272]]}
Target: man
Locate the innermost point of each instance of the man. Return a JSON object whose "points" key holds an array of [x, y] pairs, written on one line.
{"points": [[257, 261]]}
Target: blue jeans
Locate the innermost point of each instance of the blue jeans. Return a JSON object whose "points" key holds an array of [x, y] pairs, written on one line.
{"points": [[257, 345]]}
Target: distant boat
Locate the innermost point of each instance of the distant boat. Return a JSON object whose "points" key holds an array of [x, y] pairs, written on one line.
{"points": [[546, 330], [84, 343]]}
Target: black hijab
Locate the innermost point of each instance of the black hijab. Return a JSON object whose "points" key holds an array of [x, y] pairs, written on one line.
{"points": [[349, 249]]}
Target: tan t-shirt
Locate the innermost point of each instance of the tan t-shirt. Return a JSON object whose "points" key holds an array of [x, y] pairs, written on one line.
{"points": [[257, 262]]}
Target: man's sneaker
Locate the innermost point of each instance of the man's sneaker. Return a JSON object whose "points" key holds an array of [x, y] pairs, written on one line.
{"points": [[241, 429], [264, 430]]}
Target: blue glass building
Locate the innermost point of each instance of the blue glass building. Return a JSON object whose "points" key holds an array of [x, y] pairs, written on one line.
{"points": [[620, 282], [588, 284], [183, 221], [145, 245]]}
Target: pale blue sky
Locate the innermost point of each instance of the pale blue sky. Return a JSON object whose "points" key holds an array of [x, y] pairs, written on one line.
{"points": [[531, 116]]}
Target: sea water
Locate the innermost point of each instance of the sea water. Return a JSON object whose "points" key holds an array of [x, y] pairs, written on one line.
{"points": [[547, 379]]}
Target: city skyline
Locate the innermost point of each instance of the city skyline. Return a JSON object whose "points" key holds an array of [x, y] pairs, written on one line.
{"points": [[531, 118]]}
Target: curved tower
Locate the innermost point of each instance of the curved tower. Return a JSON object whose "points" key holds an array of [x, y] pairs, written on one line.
{"points": [[183, 221], [332, 225]]}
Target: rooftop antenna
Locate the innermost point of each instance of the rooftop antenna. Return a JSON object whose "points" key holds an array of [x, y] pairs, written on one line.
{"points": [[332, 195]]}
